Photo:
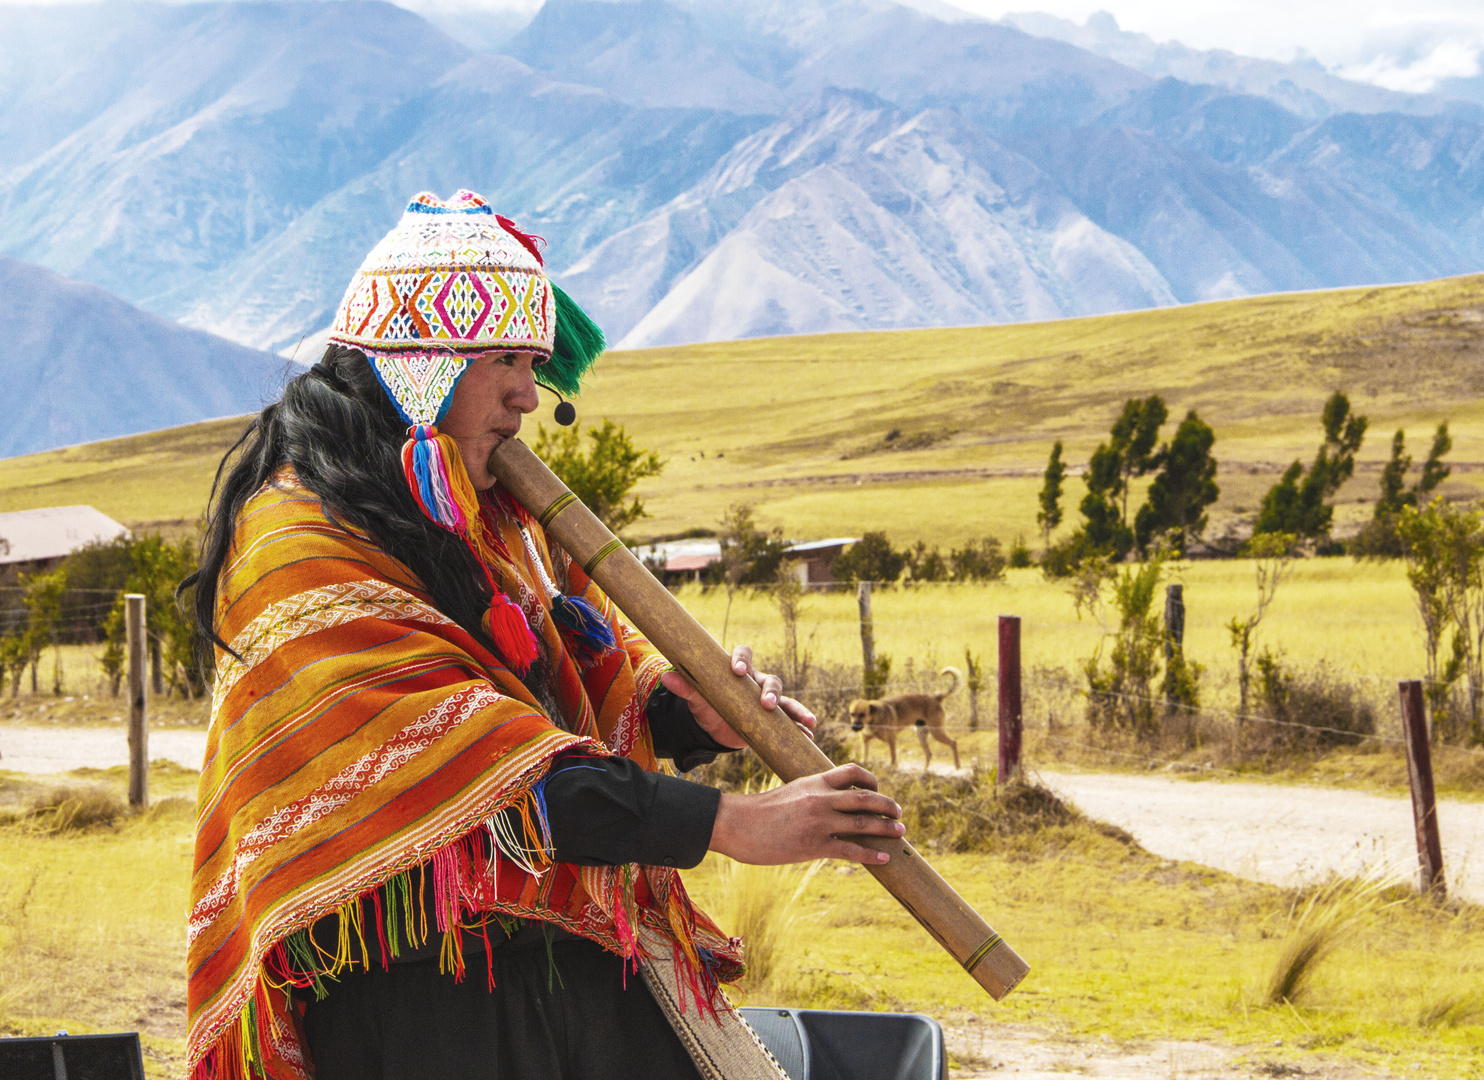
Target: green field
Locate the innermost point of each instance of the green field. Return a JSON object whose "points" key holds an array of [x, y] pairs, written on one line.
{"points": [[798, 426]]}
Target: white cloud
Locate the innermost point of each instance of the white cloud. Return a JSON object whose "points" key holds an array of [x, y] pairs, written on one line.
{"points": [[1447, 60], [1370, 39]]}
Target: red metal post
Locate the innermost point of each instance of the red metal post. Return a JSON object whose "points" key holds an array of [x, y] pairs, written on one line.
{"points": [[1424, 799], [1009, 679]]}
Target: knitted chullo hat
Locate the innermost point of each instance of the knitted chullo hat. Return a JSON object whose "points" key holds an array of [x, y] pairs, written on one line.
{"points": [[451, 281]]}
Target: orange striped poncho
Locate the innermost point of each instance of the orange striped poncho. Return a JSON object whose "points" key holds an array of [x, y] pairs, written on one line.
{"points": [[356, 733]]}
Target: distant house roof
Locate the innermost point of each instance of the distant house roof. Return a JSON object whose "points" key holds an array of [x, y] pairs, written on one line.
{"points": [[817, 545], [53, 532], [692, 555]]}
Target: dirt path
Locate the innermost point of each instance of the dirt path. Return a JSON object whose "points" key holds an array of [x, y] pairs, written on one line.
{"points": [[60, 749], [1284, 834], [1280, 833]]}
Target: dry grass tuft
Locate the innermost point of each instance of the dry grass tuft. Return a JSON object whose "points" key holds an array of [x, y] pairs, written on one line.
{"points": [[762, 908], [1321, 920], [1452, 1009], [964, 813], [67, 809]]}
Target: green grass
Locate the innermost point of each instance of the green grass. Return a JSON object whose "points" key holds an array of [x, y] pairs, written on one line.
{"points": [[1126, 945], [797, 425], [1121, 943], [91, 922]]}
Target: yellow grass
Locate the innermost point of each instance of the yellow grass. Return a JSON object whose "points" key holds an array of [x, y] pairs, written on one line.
{"points": [[1121, 944], [1125, 945], [92, 931], [797, 425], [1357, 616]]}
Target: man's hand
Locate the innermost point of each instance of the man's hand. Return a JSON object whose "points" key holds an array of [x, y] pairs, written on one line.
{"points": [[772, 698], [811, 818]]}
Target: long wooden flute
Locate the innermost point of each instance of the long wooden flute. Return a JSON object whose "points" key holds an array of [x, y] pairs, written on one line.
{"points": [[782, 746]]}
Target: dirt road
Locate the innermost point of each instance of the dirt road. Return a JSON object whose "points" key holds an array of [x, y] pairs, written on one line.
{"points": [[1280, 833]]}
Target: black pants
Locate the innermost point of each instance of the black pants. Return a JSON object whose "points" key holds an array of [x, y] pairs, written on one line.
{"points": [[412, 1023]]}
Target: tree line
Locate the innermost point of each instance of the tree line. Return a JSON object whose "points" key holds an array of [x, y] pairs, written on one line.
{"points": [[1174, 514]]}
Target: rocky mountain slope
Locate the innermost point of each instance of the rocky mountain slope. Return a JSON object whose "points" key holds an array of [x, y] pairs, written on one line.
{"points": [[704, 169]]}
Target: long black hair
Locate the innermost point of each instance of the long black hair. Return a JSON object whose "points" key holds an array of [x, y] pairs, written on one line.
{"points": [[338, 429]]}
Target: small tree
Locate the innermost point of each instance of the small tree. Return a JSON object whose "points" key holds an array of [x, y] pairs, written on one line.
{"points": [[1049, 516], [13, 659], [974, 680], [1128, 454], [1444, 549], [1299, 503], [1121, 696], [749, 556], [43, 600], [790, 597], [924, 565], [1273, 553], [177, 654], [604, 475], [871, 558], [980, 560], [1381, 538], [1185, 487]]}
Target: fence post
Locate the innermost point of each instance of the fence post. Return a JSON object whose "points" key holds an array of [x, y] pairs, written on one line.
{"points": [[868, 639], [138, 728], [1424, 799], [1009, 680], [1174, 632]]}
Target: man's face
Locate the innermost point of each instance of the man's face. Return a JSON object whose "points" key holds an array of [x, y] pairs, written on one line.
{"points": [[495, 392]]}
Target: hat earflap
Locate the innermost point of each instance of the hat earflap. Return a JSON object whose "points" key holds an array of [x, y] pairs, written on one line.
{"points": [[441, 486]]}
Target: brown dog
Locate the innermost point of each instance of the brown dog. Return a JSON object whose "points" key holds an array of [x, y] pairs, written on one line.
{"points": [[883, 719]]}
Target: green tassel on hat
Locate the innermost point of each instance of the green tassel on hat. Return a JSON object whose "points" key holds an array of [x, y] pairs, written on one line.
{"points": [[578, 344]]}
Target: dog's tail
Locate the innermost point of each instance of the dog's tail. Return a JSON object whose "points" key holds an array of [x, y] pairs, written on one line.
{"points": [[958, 680]]}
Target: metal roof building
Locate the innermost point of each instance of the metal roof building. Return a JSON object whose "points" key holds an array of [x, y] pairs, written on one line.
{"points": [[42, 535]]}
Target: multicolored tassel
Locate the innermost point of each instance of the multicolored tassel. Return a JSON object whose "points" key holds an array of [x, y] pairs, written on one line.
{"points": [[441, 486], [587, 635]]}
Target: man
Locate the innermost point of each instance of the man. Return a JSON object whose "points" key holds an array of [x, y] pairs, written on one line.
{"points": [[435, 744]]}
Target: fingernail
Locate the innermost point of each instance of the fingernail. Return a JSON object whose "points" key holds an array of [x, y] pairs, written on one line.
{"points": [[770, 699], [882, 856], [900, 829]]}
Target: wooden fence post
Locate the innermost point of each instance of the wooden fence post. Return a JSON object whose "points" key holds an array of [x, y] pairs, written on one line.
{"points": [[1174, 632], [1424, 799], [1009, 680], [138, 727], [868, 640]]}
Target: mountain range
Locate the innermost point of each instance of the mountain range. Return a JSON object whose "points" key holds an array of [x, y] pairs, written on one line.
{"points": [[703, 169], [82, 365]]}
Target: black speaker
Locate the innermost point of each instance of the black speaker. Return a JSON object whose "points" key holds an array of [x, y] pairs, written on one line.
{"points": [[72, 1057], [821, 1044]]}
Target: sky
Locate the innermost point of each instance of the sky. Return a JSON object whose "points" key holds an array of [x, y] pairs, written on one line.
{"points": [[1394, 43], [1406, 45]]}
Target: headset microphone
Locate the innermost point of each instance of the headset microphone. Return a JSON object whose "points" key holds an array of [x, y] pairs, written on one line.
{"points": [[564, 413]]}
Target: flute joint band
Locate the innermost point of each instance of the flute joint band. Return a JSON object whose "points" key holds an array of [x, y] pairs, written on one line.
{"points": [[601, 554], [564, 500]]}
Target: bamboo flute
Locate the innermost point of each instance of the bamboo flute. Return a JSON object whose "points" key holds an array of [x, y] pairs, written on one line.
{"points": [[781, 745]]}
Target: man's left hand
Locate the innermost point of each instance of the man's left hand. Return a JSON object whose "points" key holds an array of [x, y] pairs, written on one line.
{"points": [[772, 698]]}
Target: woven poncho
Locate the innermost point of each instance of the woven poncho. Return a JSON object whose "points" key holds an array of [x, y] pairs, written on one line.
{"points": [[356, 733]]}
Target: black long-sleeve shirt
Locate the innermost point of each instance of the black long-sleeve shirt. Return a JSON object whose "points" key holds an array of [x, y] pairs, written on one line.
{"points": [[607, 811]]}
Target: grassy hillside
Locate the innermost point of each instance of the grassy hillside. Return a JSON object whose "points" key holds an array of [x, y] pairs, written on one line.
{"points": [[802, 427]]}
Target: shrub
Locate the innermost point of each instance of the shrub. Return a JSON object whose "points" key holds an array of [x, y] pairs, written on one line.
{"points": [[982, 560], [1313, 708], [871, 558]]}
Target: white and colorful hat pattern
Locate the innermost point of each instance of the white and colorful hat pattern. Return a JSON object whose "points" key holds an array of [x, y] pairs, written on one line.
{"points": [[451, 280]]}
